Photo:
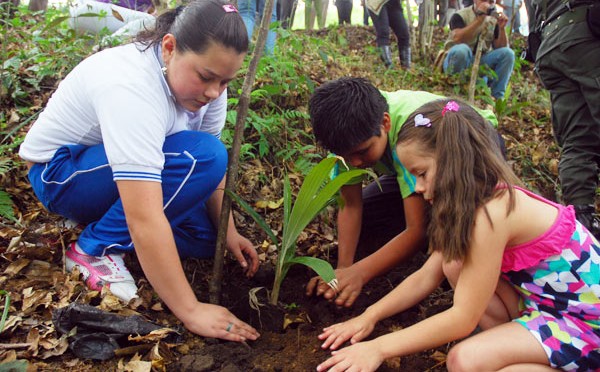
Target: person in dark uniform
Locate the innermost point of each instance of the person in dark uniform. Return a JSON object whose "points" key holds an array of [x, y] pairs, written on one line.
{"points": [[344, 9], [568, 64]]}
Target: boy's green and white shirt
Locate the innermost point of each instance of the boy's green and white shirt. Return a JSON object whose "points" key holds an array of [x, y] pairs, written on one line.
{"points": [[402, 103]]}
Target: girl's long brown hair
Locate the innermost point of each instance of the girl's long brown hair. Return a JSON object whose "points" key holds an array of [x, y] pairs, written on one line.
{"points": [[470, 167]]}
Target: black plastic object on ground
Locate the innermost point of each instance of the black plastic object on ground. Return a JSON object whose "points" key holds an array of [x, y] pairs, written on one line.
{"points": [[98, 332]]}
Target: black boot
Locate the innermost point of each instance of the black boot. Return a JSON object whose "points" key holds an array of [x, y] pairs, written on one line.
{"points": [[405, 57], [586, 214], [386, 55]]}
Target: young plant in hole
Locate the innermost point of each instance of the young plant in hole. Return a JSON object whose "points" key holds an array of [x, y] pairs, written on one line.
{"points": [[316, 192]]}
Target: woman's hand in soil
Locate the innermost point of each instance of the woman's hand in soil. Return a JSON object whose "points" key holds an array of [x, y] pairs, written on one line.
{"points": [[350, 284], [354, 330], [210, 320], [363, 356], [244, 252]]}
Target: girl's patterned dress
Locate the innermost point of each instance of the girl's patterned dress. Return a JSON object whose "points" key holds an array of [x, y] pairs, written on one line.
{"points": [[558, 275]]}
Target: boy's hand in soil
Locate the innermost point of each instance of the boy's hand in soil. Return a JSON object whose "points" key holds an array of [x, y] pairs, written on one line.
{"points": [[355, 329], [363, 356], [350, 283], [210, 320]]}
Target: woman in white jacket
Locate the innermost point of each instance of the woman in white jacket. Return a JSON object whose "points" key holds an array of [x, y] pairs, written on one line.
{"points": [[129, 145]]}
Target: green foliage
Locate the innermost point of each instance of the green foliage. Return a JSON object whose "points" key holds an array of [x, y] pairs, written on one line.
{"points": [[278, 126], [6, 308], [7, 164], [37, 50], [292, 307], [6, 206], [317, 191], [511, 104], [48, 51]]}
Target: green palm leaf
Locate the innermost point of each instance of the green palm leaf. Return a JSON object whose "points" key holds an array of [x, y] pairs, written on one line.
{"points": [[321, 267], [255, 216], [317, 191]]}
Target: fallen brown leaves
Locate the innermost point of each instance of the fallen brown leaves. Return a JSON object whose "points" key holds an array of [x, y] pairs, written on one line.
{"points": [[37, 284]]}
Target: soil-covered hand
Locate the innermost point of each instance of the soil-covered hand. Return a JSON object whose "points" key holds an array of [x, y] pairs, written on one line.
{"points": [[243, 251], [363, 356], [355, 330], [216, 321], [350, 284]]}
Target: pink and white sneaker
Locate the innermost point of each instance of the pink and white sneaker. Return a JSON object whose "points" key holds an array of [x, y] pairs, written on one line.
{"points": [[108, 270]]}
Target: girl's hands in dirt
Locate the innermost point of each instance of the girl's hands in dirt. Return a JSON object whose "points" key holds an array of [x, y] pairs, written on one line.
{"points": [[355, 330], [363, 356], [210, 320], [243, 251], [350, 284]]}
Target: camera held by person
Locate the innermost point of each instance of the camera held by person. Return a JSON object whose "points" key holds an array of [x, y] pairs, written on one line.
{"points": [[492, 11]]}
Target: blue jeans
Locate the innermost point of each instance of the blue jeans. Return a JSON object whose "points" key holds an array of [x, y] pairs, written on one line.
{"points": [[501, 60], [78, 184], [251, 12]]}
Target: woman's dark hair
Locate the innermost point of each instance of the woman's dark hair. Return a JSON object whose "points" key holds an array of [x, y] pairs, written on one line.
{"points": [[198, 25], [470, 171]]}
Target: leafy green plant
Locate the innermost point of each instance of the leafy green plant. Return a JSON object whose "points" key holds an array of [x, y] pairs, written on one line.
{"points": [[6, 206], [36, 51], [50, 49], [510, 104], [317, 192], [6, 165], [6, 308]]}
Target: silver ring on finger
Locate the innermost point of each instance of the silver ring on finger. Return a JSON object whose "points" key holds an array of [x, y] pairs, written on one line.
{"points": [[229, 326]]}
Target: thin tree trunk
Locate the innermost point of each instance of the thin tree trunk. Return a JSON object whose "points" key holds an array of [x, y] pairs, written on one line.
{"points": [[411, 26], [36, 5], [475, 68], [513, 19], [426, 27], [430, 27], [242, 113]]}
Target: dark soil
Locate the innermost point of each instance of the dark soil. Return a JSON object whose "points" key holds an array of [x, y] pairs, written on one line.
{"points": [[33, 275], [296, 348]]}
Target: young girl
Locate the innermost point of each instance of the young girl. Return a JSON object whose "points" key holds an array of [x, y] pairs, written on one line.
{"points": [[522, 267], [129, 145]]}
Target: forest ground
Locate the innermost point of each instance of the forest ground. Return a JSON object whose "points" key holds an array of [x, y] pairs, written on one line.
{"points": [[32, 245]]}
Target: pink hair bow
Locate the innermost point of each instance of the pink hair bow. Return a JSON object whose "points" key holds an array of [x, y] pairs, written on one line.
{"points": [[229, 8], [422, 121], [450, 106]]}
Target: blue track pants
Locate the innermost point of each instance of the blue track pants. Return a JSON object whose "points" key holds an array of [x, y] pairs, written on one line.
{"points": [[78, 184]]}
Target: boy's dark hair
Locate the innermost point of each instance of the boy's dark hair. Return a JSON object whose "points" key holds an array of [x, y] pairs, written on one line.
{"points": [[197, 26], [346, 112]]}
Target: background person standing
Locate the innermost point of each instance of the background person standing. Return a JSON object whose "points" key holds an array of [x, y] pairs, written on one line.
{"points": [[568, 64]]}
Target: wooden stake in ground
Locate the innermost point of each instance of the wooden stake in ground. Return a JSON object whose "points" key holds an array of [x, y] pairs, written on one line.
{"points": [[426, 27], [476, 62], [515, 14], [232, 169]]}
